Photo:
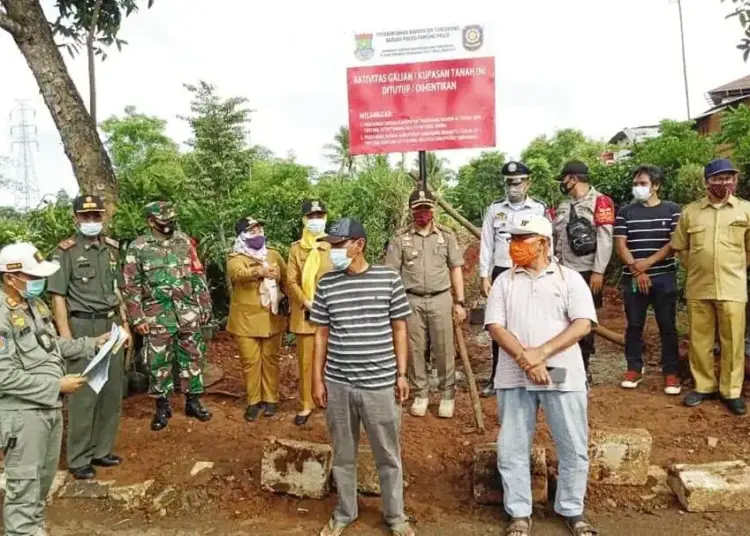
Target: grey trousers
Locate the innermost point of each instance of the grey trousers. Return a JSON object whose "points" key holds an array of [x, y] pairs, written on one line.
{"points": [[94, 419], [380, 414], [30, 466]]}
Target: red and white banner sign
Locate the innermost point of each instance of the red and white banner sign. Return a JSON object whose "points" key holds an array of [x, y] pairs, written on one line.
{"points": [[403, 106]]}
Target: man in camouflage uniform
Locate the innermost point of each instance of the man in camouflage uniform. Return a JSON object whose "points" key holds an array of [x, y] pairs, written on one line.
{"points": [[86, 303], [167, 300]]}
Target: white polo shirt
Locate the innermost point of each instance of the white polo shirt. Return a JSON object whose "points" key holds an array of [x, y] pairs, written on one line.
{"points": [[536, 309]]}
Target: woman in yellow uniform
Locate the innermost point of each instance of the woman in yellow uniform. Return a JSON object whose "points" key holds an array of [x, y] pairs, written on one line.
{"points": [[309, 260], [257, 274]]}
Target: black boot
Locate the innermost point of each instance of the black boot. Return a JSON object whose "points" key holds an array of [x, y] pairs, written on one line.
{"points": [[194, 408], [162, 415]]}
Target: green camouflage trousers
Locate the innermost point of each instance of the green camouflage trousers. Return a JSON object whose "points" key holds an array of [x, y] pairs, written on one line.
{"points": [[167, 343]]}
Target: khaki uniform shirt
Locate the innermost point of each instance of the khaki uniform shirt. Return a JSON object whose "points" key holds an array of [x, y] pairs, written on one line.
{"points": [[425, 261], [32, 355], [297, 257], [714, 244], [89, 274], [247, 316]]}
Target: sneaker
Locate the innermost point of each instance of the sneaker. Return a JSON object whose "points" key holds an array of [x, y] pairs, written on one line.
{"points": [[446, 408], [672, 385], [631, 379], [419, 407]]}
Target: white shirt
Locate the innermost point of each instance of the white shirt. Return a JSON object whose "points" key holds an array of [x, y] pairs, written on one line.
{"points": [[494, 249], [536, 309]]}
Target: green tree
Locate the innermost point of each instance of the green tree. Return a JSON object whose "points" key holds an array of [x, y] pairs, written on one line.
{"points": [[741, 11], [735, 135], [478, 184], [339, 152], [439, 175]]}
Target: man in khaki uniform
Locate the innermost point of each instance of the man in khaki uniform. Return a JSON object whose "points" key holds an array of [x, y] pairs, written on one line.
{"points": [[712, 240], [430, 261], [86, 303]]}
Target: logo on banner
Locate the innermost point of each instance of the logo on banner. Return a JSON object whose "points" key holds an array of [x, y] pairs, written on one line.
{"points": [[473, 37], [364, 50]]}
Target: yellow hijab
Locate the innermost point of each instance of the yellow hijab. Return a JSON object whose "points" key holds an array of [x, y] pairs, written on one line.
{"points": [[311, 268]]}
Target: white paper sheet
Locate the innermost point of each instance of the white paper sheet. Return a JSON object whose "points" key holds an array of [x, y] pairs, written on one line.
{"points": [[97, 371]]}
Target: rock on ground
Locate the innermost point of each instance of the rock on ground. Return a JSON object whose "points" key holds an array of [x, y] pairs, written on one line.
{"points": [[296, 468], [712, 487], [619, 456], [87, 489], [130, 496], [487, 485]]}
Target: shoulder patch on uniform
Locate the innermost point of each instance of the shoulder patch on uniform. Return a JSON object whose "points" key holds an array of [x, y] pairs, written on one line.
{"points": [[604, 210], [535, 200], [3, 343], [111, 242], [66, 244]]}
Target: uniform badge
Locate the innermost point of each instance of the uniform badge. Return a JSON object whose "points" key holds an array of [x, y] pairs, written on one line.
{"points": [[45, 341], [17, 320], [441, 239], [473, 37], [316, 207], [501, 216], [3, 344], [364, 50], [512, 167]]}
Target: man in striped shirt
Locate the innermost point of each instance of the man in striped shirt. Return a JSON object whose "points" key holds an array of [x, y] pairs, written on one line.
{"points": [[642, 233], [360, 357]]}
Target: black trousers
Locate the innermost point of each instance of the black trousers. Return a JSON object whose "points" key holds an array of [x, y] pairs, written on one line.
{"points": [[663, 298], [496, 271], [587, 343]]}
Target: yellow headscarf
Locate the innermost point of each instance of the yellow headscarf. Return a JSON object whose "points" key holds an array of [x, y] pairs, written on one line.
{"points": [[312, 264]]}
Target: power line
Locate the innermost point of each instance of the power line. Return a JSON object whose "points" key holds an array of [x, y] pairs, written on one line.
{"points": [[23, 137], [684, 60]]}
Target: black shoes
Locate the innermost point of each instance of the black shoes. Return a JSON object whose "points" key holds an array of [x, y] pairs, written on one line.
{"points": [[253, 412], [110, 460], [736, 406], [301, 420], [269, 409], [83, 473], [162, 415], [695, 398], [196, 410]]}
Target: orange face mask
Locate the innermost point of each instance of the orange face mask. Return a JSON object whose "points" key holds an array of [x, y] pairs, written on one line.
{"points": [[523, 253]]}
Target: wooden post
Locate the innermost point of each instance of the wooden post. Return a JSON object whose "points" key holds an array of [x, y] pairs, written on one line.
{"points": [[475, 402]]}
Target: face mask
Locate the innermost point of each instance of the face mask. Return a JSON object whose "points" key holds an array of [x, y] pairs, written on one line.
{"points": [[564, 189], [256, 242], [34, 288], [90, 228], [515, 193], [340, 259], [164, 228], [316, 226], [422, 218], [641, 193], [721, 190], [524, 253]]}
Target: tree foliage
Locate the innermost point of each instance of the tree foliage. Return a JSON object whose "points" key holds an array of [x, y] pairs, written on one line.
{"points": [[741, 11]]}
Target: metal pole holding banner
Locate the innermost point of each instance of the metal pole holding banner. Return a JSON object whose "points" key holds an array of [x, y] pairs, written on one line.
{"points": [[423, 169]]}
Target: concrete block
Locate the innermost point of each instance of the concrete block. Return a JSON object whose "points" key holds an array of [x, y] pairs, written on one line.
{"points": [[61, 478], [712, 487], [201, 466], [87, 489], [296, 468], [619, 457], [486, 482]]}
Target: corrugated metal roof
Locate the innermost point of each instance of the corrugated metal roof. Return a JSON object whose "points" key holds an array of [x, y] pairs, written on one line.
{"points": [[739, 84]]}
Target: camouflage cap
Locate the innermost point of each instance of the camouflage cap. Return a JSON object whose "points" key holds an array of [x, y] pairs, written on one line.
{"points": [[160, 210]]}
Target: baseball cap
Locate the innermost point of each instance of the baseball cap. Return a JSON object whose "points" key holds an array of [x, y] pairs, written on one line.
{"points": [[574, 167], [161, 210], [243, 224], [313, 206], [345, 229], [421, 198], [25, 258], [88, 203], [534, 225], [717, 166]]}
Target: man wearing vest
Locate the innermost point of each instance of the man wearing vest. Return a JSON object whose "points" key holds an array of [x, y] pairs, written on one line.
{"points": [[501, 217], [584, 241], [429, 260]]}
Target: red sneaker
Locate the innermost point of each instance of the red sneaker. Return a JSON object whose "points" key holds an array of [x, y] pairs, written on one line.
{"points": [[631, 379], [672, 385]]}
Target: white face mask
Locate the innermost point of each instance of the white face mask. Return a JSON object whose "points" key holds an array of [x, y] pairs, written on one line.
{"points": [[641, 193], [90, 228], [340, 259], [316, 226]]}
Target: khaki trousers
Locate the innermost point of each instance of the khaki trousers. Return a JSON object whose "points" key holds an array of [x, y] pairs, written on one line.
{"points": [[703, 316], [433, 318], [260, 366], [305, 350]]}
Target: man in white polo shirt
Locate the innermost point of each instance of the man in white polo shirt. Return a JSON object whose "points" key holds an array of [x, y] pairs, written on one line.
{"points": [[537, 312]]}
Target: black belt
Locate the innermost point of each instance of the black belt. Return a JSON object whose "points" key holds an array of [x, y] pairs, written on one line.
{"points": [[427, 294], [93, 316]]}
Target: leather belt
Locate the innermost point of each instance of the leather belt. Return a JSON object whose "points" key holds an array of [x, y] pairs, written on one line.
{"points": [[93, 316], [427, 294]]}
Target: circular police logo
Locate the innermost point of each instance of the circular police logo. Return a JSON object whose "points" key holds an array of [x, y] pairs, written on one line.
{"points": [[473, 37], [512, 167]]}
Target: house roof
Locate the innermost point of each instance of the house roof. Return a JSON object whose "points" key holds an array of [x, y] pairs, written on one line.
{"points": [[632, 134], [726, 104], [738, 87]]}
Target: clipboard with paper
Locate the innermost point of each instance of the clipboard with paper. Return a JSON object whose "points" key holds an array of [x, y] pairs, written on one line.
{"points": [[97, 371]]}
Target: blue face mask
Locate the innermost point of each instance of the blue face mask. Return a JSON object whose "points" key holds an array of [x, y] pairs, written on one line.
{"points": [[34, 288], [339, 259], [90, 228], [316, 226]]}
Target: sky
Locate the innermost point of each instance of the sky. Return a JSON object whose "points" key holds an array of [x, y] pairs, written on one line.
{"points": [[594, 65]]}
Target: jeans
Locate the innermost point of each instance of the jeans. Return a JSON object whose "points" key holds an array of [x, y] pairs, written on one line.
{"points": [[663, 298]]}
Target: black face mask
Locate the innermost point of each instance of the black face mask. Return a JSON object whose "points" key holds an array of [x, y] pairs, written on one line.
{"points": [[565, 190], [167, 229]]}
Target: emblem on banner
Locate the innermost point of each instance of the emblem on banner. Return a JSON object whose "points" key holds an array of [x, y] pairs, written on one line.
{"points": [[473, 37], [364, 50]]}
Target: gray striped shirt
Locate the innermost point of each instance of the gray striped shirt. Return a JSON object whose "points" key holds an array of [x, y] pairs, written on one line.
{"points": [[358, 309]]}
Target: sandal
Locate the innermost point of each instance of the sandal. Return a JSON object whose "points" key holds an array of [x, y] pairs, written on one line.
{"points": [[402, 529], [333, 528], [519, 526], [578, 526]]}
